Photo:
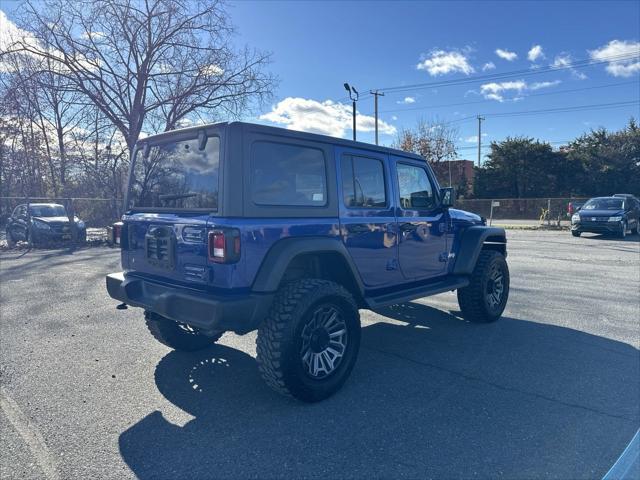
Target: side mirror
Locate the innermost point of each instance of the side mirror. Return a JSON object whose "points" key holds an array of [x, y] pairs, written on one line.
{"points": [[447, 197]]}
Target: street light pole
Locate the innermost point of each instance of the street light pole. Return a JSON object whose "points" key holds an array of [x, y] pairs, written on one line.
{"points": [[353, 95]]}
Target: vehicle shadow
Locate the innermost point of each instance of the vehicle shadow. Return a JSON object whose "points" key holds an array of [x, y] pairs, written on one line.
{"points": [[432, 396], [632, 238]]}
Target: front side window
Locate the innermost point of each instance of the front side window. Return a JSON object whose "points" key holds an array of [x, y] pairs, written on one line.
{"points": [[414, 187], [288, 175], [177, 174], [363, 182]]}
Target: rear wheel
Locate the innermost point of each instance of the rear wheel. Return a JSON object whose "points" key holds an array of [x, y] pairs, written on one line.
{"points": [[575, 233], [176, 335], [485, 298], [309, 343]]}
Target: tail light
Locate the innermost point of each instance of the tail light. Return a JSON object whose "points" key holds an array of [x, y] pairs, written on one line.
{"points": [[224, 245], [570, 208], [117, 233]]}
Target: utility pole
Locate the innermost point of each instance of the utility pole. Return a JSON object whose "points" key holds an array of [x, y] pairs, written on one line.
{"points": [[353, 95], [480, 119], [376, 94]]}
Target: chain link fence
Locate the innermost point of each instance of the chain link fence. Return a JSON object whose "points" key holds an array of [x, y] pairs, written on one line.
{"points": [[532, 210]]}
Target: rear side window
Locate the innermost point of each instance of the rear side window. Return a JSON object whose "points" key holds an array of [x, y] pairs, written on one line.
{"points": [[288, 175], [414, 187], [363, 182]]}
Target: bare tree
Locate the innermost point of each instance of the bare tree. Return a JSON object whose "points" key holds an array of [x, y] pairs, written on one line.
{"points": [[433, 140], [138, 61]]}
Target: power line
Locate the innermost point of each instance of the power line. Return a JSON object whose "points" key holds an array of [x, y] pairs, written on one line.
{"points": [[556, 92], [574, 108], [500, 76]]}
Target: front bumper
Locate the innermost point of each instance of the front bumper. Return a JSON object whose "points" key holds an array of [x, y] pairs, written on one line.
{"points": [[240, 314], [597, 227], [46, 236]]}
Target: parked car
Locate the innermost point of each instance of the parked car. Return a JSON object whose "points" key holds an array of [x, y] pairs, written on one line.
{"points": [[42, 223], [627, 195], [574, 206], [290, 233], [613, 215]]}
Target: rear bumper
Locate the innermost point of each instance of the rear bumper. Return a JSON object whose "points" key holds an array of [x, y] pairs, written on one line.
{"points": [[240, 314]]}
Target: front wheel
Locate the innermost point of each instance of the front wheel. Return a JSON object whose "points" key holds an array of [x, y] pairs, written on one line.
{"points": [[575, 233], [308, 344], [485, 298], [623, 233], [176, 335], [10, 240]]}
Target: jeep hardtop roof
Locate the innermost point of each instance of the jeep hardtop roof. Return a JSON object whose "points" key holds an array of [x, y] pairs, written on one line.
{"points": [[283, 132]]}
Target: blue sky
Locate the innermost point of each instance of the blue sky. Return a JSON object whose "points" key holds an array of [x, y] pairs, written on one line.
{"points": [[317, 46]]}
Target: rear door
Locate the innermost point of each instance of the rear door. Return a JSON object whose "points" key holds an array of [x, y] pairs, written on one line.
{"points": [[422, 223], [173, 193], [367, 219]]}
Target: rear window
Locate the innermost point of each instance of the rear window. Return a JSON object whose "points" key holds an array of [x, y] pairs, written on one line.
{"points": [[287, 175], [181, 174]]}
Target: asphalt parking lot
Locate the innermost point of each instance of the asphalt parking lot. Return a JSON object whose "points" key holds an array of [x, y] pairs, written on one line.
{"points": [[550, 391]]}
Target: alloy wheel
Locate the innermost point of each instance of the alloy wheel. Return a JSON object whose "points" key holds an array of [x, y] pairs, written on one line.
{"points": [[324, 342]]}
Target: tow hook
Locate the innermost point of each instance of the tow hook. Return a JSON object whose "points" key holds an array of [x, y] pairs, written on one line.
{"points": [[122, 306]]}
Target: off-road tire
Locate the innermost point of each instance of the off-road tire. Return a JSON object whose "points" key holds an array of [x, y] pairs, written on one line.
{"points": [[473, 300], [177, 335], [575, 234], [280, 339]]}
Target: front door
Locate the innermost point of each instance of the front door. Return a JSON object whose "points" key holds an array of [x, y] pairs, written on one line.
{"points": [[422, 224], [367, 219]]}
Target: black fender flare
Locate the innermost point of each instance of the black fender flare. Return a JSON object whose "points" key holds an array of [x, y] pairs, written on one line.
{"points": [[281, 254], [471, 243]]}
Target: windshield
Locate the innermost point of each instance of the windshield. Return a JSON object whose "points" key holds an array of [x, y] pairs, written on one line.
{"points": [[182, 174], [47, 211], [604, 204]]}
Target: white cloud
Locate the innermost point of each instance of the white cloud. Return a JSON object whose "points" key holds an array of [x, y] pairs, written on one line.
{"points": [[624, 67], [407, 100], [539, 85], [394, 118], [564, 60], [474, 138], [497, 90], [488, 66], [441, 62], [535, 53], [493, 90], [328, 117], [506, 54]]}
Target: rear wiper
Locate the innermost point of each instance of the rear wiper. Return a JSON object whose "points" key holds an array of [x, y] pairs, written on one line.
{"points": [[177, 196]]}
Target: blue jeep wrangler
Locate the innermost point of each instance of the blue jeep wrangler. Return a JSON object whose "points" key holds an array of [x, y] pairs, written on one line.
{"points": [[237, 227]]}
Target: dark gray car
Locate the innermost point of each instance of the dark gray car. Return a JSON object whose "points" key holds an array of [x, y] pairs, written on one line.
{"points": [[43, 223]]}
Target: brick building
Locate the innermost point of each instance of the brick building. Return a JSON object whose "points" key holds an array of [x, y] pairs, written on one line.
{"points": [[462, 175]]}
